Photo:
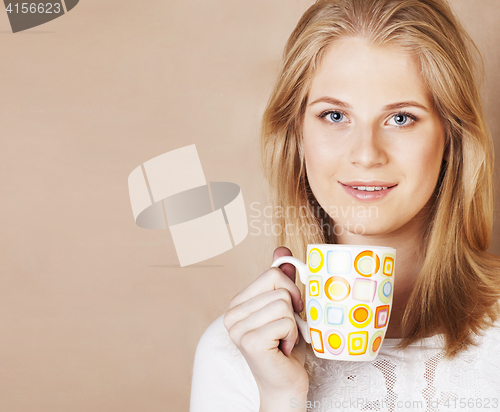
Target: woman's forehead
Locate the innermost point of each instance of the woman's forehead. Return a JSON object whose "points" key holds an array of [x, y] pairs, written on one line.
{"points": [[355, 68]]}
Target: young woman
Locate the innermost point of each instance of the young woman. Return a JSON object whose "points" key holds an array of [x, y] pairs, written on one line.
{"points": [[375, 129]]}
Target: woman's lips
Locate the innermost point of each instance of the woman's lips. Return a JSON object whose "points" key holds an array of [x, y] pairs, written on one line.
{"points": [[369, 194]]}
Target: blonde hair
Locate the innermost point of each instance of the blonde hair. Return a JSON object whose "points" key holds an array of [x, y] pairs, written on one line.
{"points": [[457, 290]]}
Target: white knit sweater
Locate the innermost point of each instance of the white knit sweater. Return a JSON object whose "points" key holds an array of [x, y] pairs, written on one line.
{"points": [[418, 378]]}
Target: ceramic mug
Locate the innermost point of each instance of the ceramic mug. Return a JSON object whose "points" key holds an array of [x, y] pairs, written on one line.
{"points": [[348, 301]]}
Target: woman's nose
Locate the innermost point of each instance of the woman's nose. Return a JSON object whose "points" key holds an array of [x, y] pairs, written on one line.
{"points": [[367, 148]]}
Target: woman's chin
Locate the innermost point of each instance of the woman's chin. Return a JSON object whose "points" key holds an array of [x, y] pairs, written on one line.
{"points": [[372, 227]]}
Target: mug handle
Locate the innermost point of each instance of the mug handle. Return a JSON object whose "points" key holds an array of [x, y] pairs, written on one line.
{"points": [[303, 273]]}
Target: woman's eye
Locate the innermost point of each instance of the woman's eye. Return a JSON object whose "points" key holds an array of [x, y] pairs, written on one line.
{"points": [[333, 116], [403, 119]]}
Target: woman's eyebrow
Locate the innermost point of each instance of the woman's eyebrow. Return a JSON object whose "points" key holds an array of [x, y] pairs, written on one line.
{"points": [[391, 106], [400, 105], [333, 101]]}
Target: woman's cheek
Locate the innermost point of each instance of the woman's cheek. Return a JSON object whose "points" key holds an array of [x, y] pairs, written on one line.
{"points": [[321, 166]]}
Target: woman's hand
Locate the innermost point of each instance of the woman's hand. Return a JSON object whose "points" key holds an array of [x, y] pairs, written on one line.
{"points": [[259, 317]]}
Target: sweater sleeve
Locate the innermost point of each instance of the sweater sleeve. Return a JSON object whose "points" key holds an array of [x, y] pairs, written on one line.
{"points": [[222, 380]]}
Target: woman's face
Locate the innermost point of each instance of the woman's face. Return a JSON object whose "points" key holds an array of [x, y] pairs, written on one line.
{"points": [[373, 141]]}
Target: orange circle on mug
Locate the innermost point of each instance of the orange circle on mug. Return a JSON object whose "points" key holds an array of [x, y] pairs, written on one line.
{"points": [[337, 288], [367, 263], [360, 314]]}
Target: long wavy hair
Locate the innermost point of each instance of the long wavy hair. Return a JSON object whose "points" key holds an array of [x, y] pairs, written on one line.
{"points": [[458, 289]]}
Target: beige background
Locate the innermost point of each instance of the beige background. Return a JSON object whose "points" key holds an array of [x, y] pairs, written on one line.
{"points": [[95, 312]]}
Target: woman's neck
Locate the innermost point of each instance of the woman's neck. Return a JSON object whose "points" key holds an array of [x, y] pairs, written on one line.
{"points": [[409, 245]]}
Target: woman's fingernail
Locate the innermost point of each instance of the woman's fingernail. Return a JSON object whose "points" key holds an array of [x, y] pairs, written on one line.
{"points": [[301, 304]]}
